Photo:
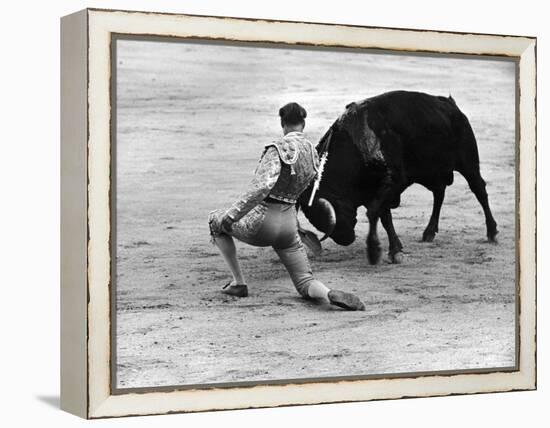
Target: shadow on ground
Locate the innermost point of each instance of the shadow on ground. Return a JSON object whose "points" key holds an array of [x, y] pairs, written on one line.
{"points": [[50, 400]]}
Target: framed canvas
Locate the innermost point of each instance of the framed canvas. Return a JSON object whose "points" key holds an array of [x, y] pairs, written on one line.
{"points": [[184, 135]]}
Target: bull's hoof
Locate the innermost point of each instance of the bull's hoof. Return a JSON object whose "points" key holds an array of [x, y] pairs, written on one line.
{"points": [[428, 236], [396, 258], [374, 253], [492, 236]]}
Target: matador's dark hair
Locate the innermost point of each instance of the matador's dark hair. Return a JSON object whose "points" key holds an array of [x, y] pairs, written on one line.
{"points": [[292, 114]]}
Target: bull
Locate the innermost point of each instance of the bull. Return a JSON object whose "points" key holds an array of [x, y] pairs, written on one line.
{"points": [[379, 147]]}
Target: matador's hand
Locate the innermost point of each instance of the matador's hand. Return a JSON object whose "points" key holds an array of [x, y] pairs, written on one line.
{"points": [[227, 223]]}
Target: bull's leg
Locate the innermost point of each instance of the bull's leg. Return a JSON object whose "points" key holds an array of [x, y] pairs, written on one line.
{"points": [[395, 251], [374, 250], [373, 243], [388, 196], [477, 185], [433, 226]]}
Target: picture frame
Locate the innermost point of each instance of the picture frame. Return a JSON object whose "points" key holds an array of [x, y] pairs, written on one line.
{"points": [[87, 388]]}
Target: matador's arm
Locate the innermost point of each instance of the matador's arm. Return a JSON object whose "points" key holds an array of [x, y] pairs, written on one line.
{"points": [[265, 177]]}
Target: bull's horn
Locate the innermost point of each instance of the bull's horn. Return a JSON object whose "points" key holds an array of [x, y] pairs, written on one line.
{"points": [[328, 210]]}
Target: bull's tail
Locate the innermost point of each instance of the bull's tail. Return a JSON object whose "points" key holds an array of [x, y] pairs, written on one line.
{"points": [[468, 154]]}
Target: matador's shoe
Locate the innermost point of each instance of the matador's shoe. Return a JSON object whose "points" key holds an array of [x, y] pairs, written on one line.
{"points": [[345, 300], [237, 290]]}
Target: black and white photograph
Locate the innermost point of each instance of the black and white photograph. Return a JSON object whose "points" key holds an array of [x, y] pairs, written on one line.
{"points": [[264, 214], [289, 213]]}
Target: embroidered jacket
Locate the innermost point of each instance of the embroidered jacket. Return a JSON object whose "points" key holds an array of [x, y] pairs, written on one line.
{"points": [[286, 168]]}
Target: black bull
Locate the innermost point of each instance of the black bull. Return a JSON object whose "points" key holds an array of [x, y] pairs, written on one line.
{"points": [[379, 147]]}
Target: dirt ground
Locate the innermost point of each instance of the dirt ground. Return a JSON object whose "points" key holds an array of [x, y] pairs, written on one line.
{"points": [[191, 123]]}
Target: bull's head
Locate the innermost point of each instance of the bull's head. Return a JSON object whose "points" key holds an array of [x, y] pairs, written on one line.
{"points": [[335, 218], [334, 210]]}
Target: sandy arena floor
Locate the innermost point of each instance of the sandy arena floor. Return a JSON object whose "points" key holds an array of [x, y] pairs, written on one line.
{"points": [[192, 121]]}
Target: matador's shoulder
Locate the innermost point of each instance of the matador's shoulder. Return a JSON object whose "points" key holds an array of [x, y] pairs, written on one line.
{"points": [[288, 149]]}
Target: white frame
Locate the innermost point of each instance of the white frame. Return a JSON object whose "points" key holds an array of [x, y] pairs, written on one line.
{"points": [[86, 107]]}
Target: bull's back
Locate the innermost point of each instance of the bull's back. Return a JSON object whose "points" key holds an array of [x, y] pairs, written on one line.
{"points": [[426, 136]]}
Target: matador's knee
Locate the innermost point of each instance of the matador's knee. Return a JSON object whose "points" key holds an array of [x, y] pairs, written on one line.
{"points": [[215, 223]]}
